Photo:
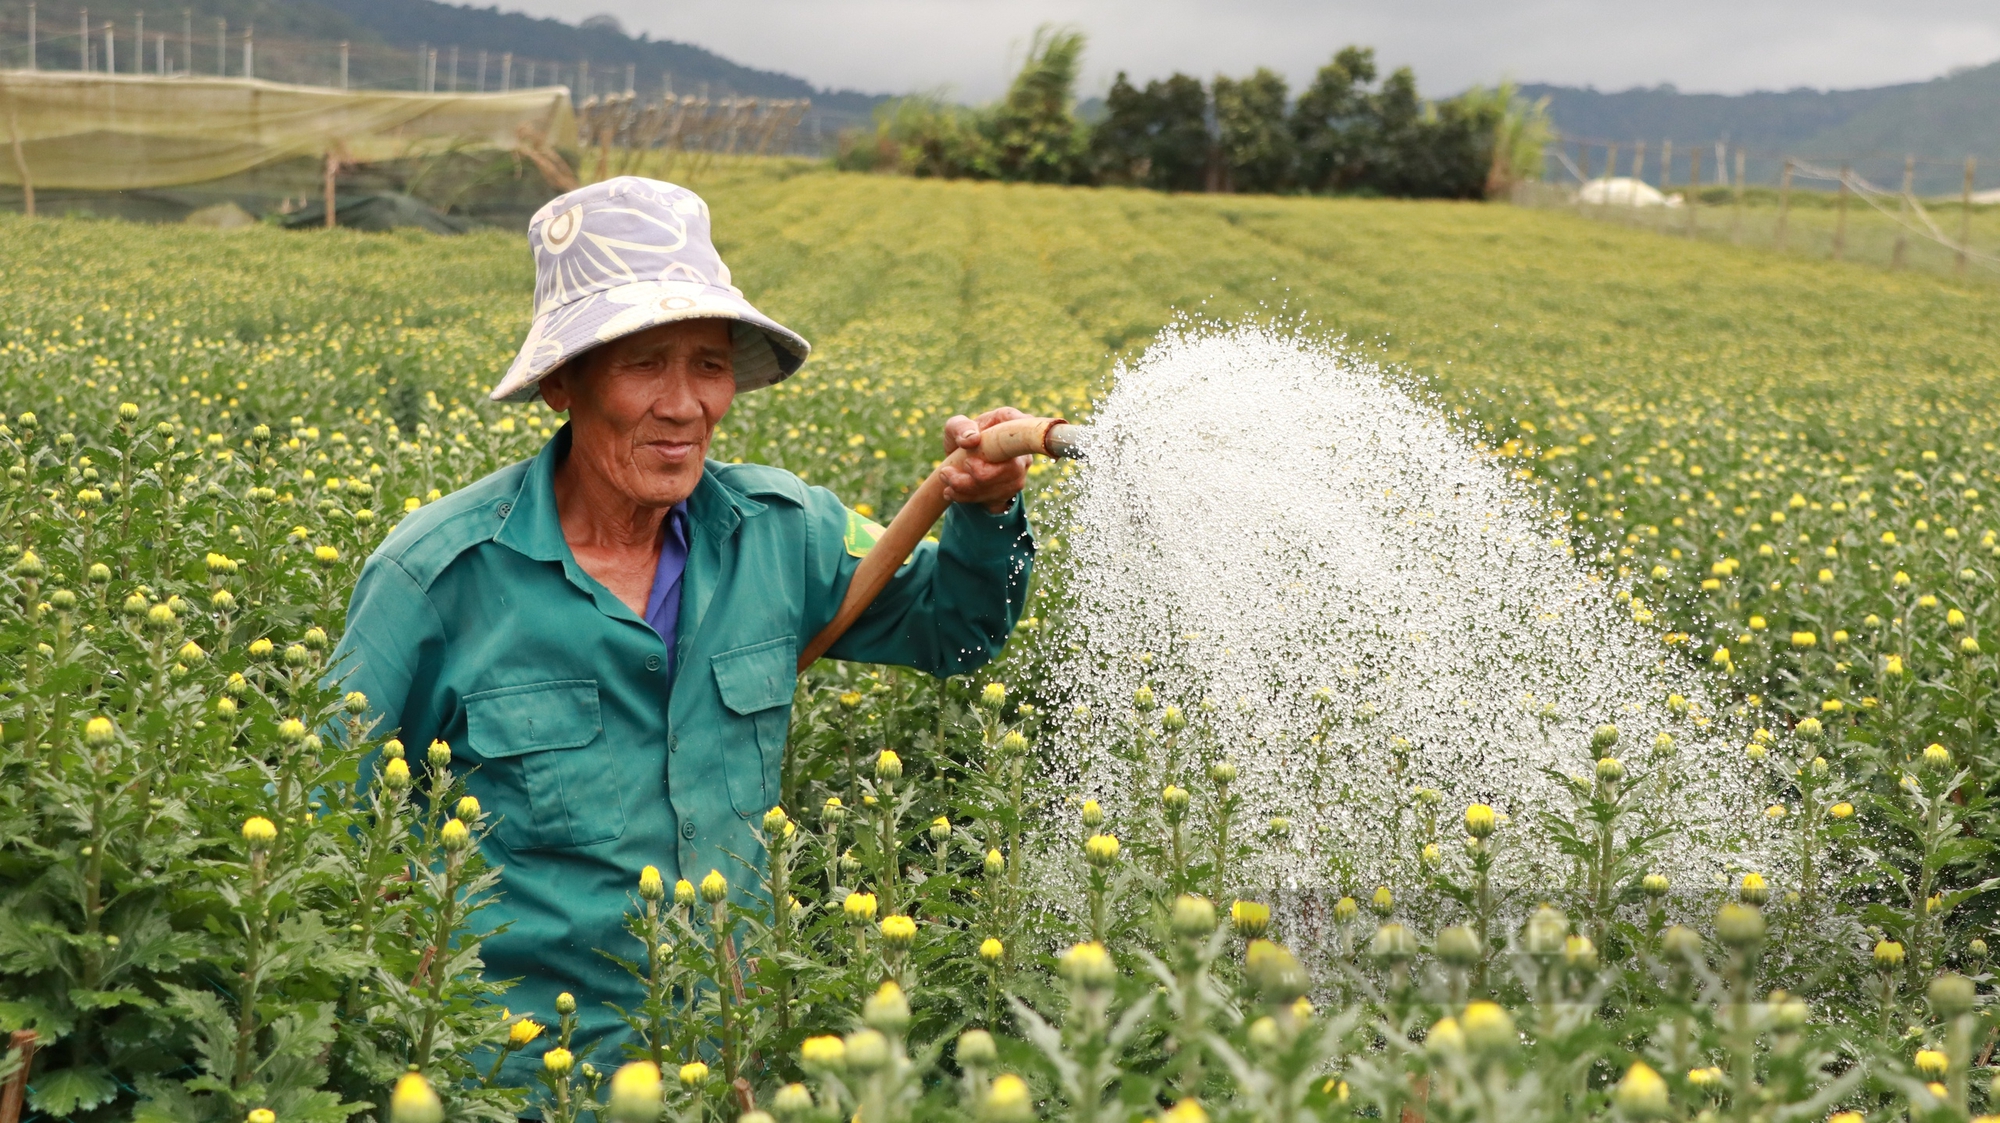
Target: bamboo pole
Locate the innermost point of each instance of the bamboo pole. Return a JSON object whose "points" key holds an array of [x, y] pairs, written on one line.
{"points": [[20, 161], [1840, 226], [1965, 214]]}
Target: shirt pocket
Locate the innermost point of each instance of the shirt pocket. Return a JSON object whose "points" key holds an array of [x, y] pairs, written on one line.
{"points": [[545, 771], [755, 684]]}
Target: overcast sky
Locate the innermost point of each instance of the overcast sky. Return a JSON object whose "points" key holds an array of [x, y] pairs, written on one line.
{"points": [[971, 46]]}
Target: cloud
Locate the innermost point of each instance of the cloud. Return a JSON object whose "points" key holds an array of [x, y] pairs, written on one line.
{"points": [[972, 46]]}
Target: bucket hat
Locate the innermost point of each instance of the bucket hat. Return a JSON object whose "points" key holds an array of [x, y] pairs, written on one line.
{"points": [[625, 255]]}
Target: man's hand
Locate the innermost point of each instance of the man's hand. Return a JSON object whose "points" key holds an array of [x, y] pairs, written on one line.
{"points": [[992, 486]]}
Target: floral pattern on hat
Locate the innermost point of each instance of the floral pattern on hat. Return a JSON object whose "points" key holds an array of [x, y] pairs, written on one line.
{"points": [[625, 255]]}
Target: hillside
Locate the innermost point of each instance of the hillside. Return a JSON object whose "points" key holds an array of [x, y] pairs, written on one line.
{"points": [[1940, 121], [297, 41]]}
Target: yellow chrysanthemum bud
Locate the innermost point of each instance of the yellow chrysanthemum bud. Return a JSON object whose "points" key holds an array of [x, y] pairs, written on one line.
{"points": [[557, 1062], [888, 767], [1932, 1063], [991, 951], [1479, 820], [993, 695], [714, 887], [259, 832], [1101, 850], [635, 1093], [396, 775], [898, 932], [99, 732], [1185, 1111], [693, 1075], [651, 886], [1753, 890], [1841, 810], [1092, 814], [1488, 1028], [1937, 758], [1705, 1078], [414, 1101], [454, 836], [1007, 1101], [1642, 1094], [1088, 965], [996, 863], [1250, 919], [684, 894], [859, 907], [523, 1032], [262, 1114], [887, 1010]]}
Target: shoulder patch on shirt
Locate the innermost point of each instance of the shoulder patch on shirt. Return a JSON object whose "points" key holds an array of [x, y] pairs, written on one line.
{"points": [[431, 537], [761, 481], [862, 533]]}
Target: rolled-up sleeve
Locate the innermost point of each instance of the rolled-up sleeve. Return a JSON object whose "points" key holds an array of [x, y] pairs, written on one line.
{"points": [[950, 608]]}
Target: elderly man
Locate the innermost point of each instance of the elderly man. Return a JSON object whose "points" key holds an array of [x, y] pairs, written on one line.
{"points": [[606, 635]]}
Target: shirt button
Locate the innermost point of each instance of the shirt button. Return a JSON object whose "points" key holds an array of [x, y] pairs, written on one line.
{"points": [[673, 743], [687, 830], [505, 508], [652, 662]]}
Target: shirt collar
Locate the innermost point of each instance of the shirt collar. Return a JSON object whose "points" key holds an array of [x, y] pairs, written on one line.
{"points": [[530, 525]]}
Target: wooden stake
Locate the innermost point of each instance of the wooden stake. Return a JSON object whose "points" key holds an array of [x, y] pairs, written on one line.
{"points": [[1840, 226], [1903, 209], [1784, 201], [15, 1093], [1965, 214]]}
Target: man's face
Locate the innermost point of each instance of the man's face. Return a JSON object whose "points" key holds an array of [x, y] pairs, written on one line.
{"points": [[643, 408]]}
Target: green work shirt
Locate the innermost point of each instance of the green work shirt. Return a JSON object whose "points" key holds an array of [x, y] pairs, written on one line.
{"points": [[473, 624]]}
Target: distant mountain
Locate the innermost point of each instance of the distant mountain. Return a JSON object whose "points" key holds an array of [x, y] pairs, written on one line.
{"points": [[1940, 122], [298, 41]]}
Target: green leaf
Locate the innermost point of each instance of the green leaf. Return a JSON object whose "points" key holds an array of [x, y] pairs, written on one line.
{"points": [[110, 999], [71, 1090]]}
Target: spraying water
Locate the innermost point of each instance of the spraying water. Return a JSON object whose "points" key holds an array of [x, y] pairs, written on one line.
{"points": [[1366, 616]]}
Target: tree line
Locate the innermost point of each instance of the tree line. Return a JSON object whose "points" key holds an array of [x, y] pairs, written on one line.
{"points": [[1346, 133]]}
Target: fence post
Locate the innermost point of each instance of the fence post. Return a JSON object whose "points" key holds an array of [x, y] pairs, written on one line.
{"points": [[451, 82], [332, 172], [139, 43], [506, 72], [160, 53], [83, 42], [1903, 210], [27, 190], [222, 48], [110, 48], [1666, 177], [1638, 165], [343, 64], [1736, 221], [1784, 201], [1694, 186], [482, 72], [249, 49], [1840, 225], [1965, 214], [31, 38]]}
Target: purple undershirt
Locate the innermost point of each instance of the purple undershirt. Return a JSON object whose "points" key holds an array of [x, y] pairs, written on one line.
{"points": [[663, 604]]}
